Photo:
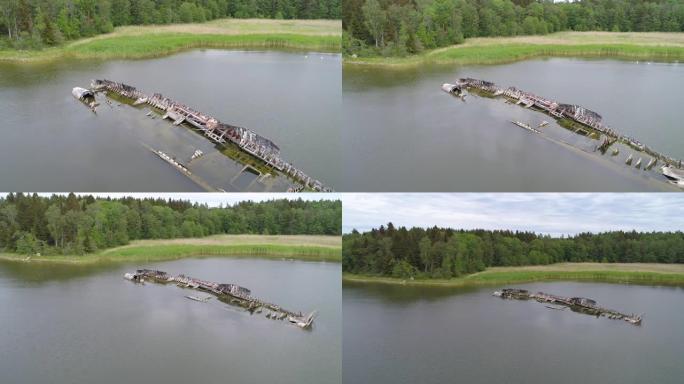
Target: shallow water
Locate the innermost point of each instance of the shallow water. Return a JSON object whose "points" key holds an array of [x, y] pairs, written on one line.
{"points": [[86, 324], [55, 143], [403, 133], [399, 334]]}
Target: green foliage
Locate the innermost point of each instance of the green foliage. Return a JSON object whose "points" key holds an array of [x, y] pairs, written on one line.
{"points": [[376, 20], [31, 24], [49, 33], [447, 253], [187, 12], [395, 27], [27, 244], [83, 224], [403, 270]]}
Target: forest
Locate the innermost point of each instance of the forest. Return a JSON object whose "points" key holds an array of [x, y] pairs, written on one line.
{"points": [[446, 253], [402, 27], [73, 225], [33, 24]]}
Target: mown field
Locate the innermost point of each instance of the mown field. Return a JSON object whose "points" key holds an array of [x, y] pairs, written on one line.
{"points": [[134, 42], [651, 46], [636, 273], [314, 248]]}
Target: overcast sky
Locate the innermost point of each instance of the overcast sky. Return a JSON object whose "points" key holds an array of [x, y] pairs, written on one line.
{"points": [[216, 199], [549, 213]]}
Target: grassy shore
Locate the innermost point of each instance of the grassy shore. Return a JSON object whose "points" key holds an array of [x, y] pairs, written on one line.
{"points": [[648, 274], [135, 42], [649, 46], [314, 248]]}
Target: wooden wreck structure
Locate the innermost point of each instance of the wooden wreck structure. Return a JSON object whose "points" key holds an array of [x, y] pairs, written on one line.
{"points": [[218, 132], [574, 112], [229, 293], [576, 304]]}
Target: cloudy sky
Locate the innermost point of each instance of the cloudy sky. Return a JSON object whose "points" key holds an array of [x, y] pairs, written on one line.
{"points": [[216, 199], [549, 213]]}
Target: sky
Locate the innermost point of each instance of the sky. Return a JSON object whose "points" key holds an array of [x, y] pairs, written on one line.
{"points": [[548, 213], [215, 199]]}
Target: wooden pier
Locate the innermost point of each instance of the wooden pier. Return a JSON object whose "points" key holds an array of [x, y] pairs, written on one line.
{"points": [[576, 304], [574, 112], [229, 293], [218, 132]]}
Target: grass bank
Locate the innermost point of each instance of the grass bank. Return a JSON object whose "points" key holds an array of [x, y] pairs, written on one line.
{"points": [[647, 274], [314, 248], [136, 42], [648, 46]]}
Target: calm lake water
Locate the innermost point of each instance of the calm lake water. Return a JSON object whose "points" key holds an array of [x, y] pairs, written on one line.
{"points": [[398, 334], [403, 133], [54, 143], [77, 324]]}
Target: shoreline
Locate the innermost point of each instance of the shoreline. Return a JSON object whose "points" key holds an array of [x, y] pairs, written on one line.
{"points": [[170, 45], [475, 57], [144, 42], [657, 47], [174, 249], [639, 274]]}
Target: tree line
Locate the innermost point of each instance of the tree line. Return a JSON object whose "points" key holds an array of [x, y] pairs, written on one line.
{"points": [[31, 24], [445, 252], [59, 224], [401, 27]]}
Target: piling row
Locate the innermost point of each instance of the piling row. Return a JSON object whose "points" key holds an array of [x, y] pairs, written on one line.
{"points": [[218, 132]]}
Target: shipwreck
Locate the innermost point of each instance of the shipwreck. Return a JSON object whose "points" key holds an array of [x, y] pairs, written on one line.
{"points": [[584, 117], [229, 293], [218, 132], [576, 304]]}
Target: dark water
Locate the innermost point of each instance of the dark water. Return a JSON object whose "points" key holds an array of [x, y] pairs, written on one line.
{"points": [[78, 324], [54, 143], [397, 334], [403, 133]]}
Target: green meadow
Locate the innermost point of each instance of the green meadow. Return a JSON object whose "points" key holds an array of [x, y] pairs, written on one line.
{"points": [[312, 248], [636, 273], [136, 42], [648, 46]]}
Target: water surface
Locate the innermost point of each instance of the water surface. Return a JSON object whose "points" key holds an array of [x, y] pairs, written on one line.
{"points": [[399, 334], [51, 142], [86, 324], [403, 133]]}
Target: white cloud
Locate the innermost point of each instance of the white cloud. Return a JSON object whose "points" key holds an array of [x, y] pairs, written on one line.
{"points": [[551, 213]]}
